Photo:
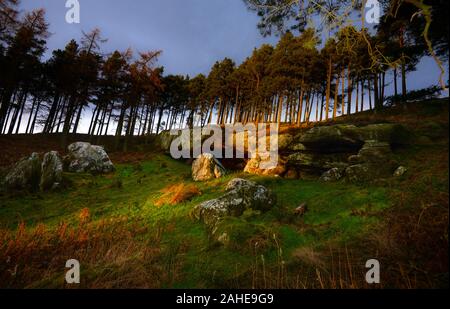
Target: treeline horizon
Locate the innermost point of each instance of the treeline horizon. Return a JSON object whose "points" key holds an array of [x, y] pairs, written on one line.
{"points": [[287, 83]]}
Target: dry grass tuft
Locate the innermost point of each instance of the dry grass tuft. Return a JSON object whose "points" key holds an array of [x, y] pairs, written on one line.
{"points": [[178, 193], [112, 254]]}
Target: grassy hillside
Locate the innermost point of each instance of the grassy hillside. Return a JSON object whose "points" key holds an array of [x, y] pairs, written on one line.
{"points": [[134, 228]]}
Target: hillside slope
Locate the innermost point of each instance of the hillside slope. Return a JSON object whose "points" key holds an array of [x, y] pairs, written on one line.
{"points": [[135, 228]]}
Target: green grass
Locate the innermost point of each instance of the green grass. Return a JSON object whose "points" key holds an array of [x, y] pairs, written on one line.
{"points": [[337, 214]]}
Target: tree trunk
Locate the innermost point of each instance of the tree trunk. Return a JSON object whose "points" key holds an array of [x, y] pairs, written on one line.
{"points": [[383, 86], [280, 108], [376, 92], [31, 115], [336, 95], [328, 91], [52, 113], [33, 125], [395, 84], [362, 95], [343, 92], [67, 121], [77, 120], [5, 104], [23, 103], [350, 91], [357, 98]]}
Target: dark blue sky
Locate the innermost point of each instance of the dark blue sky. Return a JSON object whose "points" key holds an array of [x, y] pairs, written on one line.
{"points": [[193, 34]]}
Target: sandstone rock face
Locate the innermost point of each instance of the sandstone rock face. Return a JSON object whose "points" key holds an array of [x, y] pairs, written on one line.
{"points": [[256, 165], [84, 157], [207, 167], [51, 171], [25, 175], [241, 195]]}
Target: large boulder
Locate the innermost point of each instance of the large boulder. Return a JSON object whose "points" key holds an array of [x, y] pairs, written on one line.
{"points": [[400, 171], [256, 166], [84, 157], [51, 171], [25, 175], [334, 174], [241, 195], [207, 167]]}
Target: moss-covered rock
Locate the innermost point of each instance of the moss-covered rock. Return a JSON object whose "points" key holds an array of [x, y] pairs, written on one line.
{"points": [[373, 161], [241, 195], [393, 134], [25, 175], [375, 151], [51, 171], [331, 139]]}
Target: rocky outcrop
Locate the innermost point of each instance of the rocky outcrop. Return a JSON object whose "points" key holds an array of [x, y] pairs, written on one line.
{"points": [[316, 163], [87, 158], [373, 161], [51, 171], [331, 139], [335, 151], [25, 175], [207, 167], [393, 134], [241, 195], [185, 140], [374, 151]]}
